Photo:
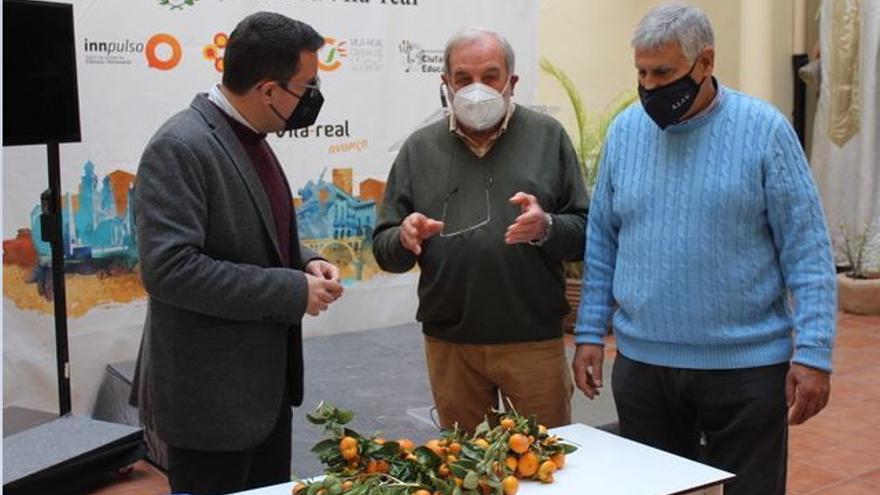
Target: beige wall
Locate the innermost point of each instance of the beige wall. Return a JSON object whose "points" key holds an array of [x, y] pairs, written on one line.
{"points": [[589, 40]]}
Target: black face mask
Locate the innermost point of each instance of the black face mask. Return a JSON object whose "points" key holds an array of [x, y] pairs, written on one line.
{"points": [[667, 104], [306, 111]]}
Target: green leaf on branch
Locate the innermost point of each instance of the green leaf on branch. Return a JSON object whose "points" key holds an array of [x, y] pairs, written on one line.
{"points": [[471, 480], [427, 457], [325, 447]]}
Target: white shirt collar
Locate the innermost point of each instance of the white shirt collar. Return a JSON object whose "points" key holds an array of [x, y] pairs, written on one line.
{"points": [[218, 98]]}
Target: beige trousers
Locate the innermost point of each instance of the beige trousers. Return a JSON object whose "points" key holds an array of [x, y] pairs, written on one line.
{"points": [[466, 380]]}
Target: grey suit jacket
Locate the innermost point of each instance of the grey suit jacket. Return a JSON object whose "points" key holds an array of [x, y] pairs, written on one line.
{"points": [[224, 311]]}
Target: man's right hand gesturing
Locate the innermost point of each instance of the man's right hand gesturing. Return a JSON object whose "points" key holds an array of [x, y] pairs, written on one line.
{"points": [[415, 228], [322, 293]]}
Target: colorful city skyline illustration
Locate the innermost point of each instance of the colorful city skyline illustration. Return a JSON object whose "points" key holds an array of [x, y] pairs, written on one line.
{"points": [[99, 245], [99, 239], [337, 224]]}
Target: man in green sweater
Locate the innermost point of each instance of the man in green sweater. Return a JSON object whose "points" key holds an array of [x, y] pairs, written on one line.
{"points": [[489, 203]]}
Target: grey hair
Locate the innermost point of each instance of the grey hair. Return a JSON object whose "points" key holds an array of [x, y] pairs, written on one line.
{"points": [[674, 22], [471, 34]]}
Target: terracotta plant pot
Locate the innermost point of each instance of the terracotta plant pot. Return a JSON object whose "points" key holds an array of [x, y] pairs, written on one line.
{"points": [[858, 296], [573, 295]]}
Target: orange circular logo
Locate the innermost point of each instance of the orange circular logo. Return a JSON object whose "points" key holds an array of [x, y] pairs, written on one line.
{"points": [[214, 52], [330, 55], [153, 44]]}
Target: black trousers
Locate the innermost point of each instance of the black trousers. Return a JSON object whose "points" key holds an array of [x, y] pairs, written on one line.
{"points": [[197, 472], [741, 413]]}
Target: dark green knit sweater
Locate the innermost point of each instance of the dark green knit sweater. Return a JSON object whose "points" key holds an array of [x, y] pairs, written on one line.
{"points": [[473, 287]]}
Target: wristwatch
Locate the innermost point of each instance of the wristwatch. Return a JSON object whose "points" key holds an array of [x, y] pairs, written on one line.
{"points": [[543, 239]]}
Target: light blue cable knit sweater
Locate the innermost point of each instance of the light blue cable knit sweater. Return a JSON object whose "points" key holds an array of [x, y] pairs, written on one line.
{"points": [[700, 234]]}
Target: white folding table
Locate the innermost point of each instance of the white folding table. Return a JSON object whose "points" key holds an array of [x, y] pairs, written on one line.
{"points": [[610, 465]]}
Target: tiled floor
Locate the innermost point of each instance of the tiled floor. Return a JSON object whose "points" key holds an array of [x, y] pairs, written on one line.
{"points": [[838, 451], [835, 453]]}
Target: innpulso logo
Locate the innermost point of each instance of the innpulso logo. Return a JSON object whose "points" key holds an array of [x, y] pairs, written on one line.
{"points": [[109, 48], [162, 51]]}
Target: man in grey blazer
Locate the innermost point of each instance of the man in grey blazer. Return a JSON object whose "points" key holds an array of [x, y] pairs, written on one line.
{"points": [[228, 280]]}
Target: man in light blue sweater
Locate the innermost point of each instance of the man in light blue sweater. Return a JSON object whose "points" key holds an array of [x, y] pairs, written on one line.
{"points": [[707, 250]]}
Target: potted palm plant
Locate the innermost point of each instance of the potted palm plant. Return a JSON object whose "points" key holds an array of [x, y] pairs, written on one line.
{"points": [[858, 287], [591, 132]]}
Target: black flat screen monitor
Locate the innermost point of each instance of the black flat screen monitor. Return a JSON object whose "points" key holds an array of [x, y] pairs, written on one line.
{"points": [[40, 97]]}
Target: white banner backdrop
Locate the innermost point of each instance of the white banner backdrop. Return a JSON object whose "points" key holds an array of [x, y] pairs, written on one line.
{"points": [[139, 62]]}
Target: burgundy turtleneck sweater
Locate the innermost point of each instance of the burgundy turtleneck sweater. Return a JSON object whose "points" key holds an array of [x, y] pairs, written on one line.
{"points": [[274, 182]]}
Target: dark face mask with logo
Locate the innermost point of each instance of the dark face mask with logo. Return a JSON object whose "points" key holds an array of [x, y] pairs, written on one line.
{"points": [[667, 104], [306, 111]]}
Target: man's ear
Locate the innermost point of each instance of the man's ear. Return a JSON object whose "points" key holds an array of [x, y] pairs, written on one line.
{"points": [[265, 89], [513, 80], [707, 60]]}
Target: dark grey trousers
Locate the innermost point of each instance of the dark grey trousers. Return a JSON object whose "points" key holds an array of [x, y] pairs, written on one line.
{"points": [[197, 472], [741, 413]]}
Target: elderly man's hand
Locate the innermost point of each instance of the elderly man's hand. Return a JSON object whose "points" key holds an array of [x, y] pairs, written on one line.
{"points": [[531, 224], [415, 228], [587, 368], [806, 392]]}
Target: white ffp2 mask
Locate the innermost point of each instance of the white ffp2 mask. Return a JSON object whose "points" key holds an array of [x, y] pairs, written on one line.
{"points": [[479, 106]]}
